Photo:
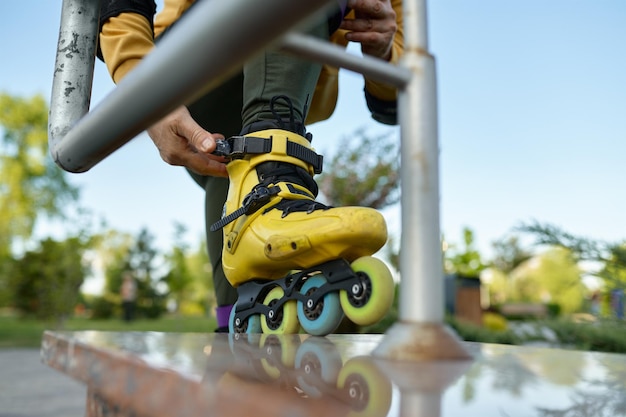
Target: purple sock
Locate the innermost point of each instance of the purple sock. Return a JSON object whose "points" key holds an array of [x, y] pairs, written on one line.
{"points": [[223, 315], [343, 5]]}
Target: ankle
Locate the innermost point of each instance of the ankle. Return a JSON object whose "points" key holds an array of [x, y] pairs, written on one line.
{"points": [[223, 315]]}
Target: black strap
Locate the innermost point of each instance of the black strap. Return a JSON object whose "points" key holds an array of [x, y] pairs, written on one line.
{"points": [[307, 155], [238, 146]]}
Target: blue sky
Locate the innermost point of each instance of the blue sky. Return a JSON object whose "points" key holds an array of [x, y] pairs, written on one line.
{"points": [[531, 118]]}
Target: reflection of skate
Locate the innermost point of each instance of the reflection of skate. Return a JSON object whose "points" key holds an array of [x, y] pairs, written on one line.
{"points": [[312, 370], [319, 362], [273, 226], [367, 388]]}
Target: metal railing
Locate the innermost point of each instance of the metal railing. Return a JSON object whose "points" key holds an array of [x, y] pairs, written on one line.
{"points": [[207, 46]]}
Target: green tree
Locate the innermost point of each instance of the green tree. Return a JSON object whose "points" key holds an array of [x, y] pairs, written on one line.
{"points": [[141, 260], [189, 277], [121, 253], [363, 172], [552, 276], [466, 260], [201, 291], [605, 260], [196, 295], [110, 249], [508, 256], [558, 280], [178, 277], [31, 185], [46, 281]]}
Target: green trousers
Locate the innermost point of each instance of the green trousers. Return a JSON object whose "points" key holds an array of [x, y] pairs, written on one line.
{"points": [[239, 102]]}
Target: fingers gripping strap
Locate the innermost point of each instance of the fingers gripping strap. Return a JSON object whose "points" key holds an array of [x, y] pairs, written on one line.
{"points": [[239, 146]]}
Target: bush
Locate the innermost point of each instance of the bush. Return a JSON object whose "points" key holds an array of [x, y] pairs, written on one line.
{"points": [[101, 308], [554, 310], [494, 321], [602, 336], [473, 333], [151, 310]]}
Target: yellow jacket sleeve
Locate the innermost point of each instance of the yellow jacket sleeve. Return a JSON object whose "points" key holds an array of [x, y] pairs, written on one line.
{"points": [[124, 41], [126, 38], [326, 91]]}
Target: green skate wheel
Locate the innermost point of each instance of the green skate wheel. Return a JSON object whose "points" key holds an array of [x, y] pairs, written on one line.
{"points": [[251, 325], [279, 352], [365, 388], [285, 320], [317, 362], [324, 317], [368, 302]]}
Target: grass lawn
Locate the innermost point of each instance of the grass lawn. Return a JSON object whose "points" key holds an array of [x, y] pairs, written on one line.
{"points": [[604, 336], [17, 332]]}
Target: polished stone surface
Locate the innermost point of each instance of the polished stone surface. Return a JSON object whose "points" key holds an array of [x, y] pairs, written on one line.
{"points": [[164, 374]]}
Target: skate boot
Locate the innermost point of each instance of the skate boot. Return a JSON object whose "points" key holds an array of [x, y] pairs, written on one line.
{"points": [[293, 260]]}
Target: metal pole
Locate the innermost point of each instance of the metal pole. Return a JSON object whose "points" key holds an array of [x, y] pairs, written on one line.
{"points": [[329, 53], [422, 295], [420, 333], [209, 43], [74, 65]]}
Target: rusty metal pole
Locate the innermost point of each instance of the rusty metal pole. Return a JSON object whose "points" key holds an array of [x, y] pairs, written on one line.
{"points": [[205, 47], [74, 65], [420, 333]]}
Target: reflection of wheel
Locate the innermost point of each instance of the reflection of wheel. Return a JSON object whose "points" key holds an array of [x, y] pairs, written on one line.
{"points": [[236, 341], [283, 321], [368, 301], [323, 317], [279, 352], [318, 363], [251, 325], [365, 388]]}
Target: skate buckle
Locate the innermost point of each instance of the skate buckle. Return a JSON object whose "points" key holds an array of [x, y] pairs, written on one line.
{"points": [[222, 148], [258, 198], [230, 148], [236, 147]]}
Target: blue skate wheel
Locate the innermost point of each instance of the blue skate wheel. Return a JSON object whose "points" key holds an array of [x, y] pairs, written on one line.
{"points": [[324, 317], [253, 324], [318, 362]]}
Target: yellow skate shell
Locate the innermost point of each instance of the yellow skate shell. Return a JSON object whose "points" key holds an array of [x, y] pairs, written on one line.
{"points": [[267, 244]]}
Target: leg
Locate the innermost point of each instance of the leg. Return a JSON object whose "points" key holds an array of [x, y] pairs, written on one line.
{"points": [[218, 111], [222, 110], [273, 225]]}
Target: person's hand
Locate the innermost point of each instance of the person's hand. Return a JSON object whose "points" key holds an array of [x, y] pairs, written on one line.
{"points": [[181, 141], [373, 27]]}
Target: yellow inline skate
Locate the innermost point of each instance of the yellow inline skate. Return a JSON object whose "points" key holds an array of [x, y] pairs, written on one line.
{"points": [[294, 261]]}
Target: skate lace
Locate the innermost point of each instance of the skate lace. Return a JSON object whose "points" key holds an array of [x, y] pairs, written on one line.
{"points": [[291, 206], [293, 126], [292, 174]]}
